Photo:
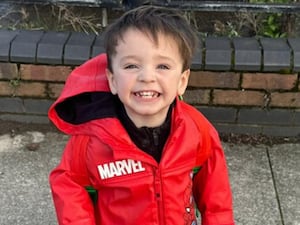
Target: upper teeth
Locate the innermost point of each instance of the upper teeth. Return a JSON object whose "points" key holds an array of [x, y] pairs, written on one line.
{"points": [[147, 94]]}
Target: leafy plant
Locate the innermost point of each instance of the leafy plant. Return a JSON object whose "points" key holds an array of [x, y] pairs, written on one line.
{"points": [[272, 23], [272, 27], [14, 83]]}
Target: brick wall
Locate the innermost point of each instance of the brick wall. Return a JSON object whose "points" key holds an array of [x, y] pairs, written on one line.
{"points": [[248, 99], [27, 90], [244, 102], [266, 103]]}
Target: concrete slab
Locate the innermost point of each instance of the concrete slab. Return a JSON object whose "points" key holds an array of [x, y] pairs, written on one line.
{"points": [[24, 190], [285, 161], [26, 198], [252, 185]]}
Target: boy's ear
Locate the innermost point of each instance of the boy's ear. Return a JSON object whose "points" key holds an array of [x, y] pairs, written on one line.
{"points": [[111, 81], [183, 82]]}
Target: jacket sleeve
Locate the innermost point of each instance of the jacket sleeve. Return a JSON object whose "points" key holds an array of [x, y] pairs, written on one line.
{"points": [[72, 202], [212, 189]]}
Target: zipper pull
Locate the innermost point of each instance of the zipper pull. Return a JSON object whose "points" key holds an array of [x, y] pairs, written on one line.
{"points": [[155, 137]]}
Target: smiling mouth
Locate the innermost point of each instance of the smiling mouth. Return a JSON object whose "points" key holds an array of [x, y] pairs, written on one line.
{"points": [[147, 94]]}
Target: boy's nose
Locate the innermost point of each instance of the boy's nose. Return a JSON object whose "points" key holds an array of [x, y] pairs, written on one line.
{"points": [[147, 75]]}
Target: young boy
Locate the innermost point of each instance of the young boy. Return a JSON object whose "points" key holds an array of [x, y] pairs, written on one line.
{"points": [[152, 158]]}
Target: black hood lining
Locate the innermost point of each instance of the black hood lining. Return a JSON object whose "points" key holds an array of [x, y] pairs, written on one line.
{"points": [[87, 106]]}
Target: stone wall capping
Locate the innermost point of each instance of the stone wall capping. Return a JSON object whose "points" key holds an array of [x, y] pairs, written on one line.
{"points": [[197, 61], [295, 45], [218, 53], [98, 46], [247, 54], [213, 53], [6, 37], [24, 46], [78, 48], [276, 54], [50, 49]]}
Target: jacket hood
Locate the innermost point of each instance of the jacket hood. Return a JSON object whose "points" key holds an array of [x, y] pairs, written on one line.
{"points": [[86, 96]]}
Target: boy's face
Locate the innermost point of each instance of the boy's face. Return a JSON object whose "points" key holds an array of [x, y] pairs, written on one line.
{"points": [[147, 77]]}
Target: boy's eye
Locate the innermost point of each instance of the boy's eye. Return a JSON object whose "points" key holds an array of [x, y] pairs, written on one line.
{"points": [[163, 67], [130, 66]]}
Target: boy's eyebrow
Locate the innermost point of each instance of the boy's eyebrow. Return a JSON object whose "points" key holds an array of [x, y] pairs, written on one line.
{"points": [[126, 57], [156, 57], [168, 58], [165, 57]]}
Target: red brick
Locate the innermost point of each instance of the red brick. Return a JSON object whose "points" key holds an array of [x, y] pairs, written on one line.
{"points": [[214, 79], [44, 73], [269, 81], [198, 96], [242, 98], [8, 71], [33, 89], [6, 89], [291, 99], [54, 90], [22, 89]]}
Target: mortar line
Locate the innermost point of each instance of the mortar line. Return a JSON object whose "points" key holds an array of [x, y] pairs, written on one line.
{"points": [[275, 186]]}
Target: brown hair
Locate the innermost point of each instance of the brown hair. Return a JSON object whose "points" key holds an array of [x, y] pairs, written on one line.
{"points": [[153, 20]]}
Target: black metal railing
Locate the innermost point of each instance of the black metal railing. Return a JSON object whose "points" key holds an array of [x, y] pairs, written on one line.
{"points": [[217, 6]]}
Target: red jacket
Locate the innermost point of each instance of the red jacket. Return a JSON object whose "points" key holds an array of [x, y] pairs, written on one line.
{"points": [[132, 187]]}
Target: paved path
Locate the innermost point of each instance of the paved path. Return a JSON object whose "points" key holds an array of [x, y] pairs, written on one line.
{"points": [[265, 181]]}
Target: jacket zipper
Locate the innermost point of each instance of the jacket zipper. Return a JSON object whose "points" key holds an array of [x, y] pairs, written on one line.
{"points": [[158, 196], [155, 138]]}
